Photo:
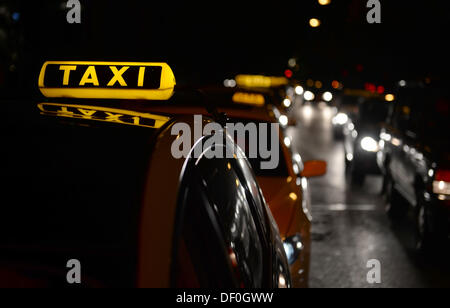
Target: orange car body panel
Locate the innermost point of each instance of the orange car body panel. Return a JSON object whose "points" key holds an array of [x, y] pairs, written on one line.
{"points": [[288, 213]]}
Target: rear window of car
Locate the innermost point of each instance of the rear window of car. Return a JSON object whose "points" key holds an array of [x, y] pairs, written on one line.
{"points": [[281, 169]]}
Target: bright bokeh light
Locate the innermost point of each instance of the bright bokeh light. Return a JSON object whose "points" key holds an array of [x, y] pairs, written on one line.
{"points": [[287, 103], [389, 97], [292, 62], [369, 144], [314, 22], [327, 96], [288, 73], [287, 141], [296, 170], [309, 96], [441, 187], [229, 83], [299, 90], [351, 126], [282, 282], [324, 2], [340, 119], [283, 120]]}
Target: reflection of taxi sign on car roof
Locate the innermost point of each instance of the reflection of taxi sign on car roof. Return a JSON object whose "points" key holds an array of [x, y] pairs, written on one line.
{"points": [[248, 98], [114, 80], [103, 114], [260, 81]]}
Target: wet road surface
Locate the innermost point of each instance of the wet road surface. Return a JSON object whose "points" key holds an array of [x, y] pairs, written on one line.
{"points": [[350, 226]]}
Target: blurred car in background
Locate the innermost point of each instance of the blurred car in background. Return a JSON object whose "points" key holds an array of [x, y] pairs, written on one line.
{"points": [[361, 138], [415, 159], [317, 96], [96, 181], [276, 92], [346, 104]]}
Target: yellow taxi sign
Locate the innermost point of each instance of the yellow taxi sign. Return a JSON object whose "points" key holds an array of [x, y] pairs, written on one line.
{"points": [[103, 114], [248, 98], [260, 81], [362, 93], [108, 80]]}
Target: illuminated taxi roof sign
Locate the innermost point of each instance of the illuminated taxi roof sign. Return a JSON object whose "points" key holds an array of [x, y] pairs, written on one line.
{"points": [[102, 114], [109, 80], [362, 93], [248, 98], [260, 81]]}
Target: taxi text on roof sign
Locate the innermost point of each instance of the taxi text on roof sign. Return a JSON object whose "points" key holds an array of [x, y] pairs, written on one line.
{"points": [[103, 114], [248, 98], [260, 81], [109, 80]]}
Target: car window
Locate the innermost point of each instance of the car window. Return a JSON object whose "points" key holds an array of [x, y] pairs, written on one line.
{"points": [[281, 170], [232, 206], [221, 228], [202, 252]]}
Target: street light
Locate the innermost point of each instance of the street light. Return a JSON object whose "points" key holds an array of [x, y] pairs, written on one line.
{"points": [[324, 2], [314, 22], [389, 97]]}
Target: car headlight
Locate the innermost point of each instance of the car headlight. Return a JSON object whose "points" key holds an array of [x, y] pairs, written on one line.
{"points": [[299, 90], [369, 144], [309, 96], [327, 96], [293, 247], [340, 119]]}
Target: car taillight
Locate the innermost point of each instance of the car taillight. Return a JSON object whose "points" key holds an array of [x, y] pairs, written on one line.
{"points": [[441, 183], [442, 175]]}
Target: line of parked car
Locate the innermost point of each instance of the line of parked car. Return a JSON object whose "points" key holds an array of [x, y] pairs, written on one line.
{"points": [[406, 139], [91, 174]]}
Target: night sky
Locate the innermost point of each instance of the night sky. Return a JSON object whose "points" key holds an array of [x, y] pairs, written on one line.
{"points": [[207, 42]]}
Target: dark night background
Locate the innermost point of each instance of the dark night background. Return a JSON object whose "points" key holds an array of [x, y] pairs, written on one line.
{"points": [[206, 42]]}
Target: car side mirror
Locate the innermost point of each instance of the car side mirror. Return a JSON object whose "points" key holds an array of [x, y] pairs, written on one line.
{"points": [[314, 168]]}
